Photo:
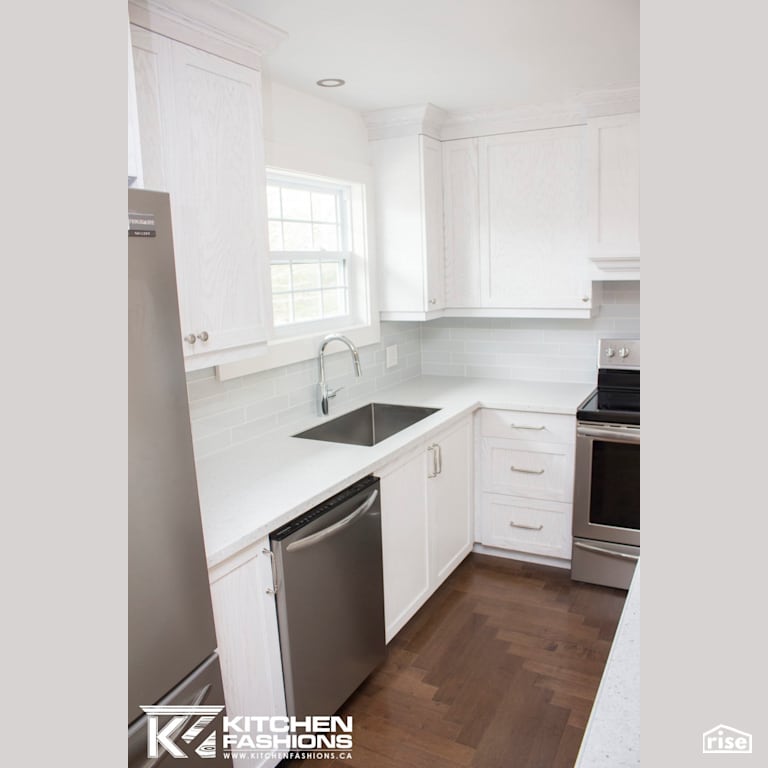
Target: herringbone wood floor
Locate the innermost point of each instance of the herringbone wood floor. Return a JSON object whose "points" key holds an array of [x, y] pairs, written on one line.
{"points": [[498, 670]]}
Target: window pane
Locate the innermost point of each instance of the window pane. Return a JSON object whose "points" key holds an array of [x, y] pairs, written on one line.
{"points": [[333, 273], [281, 278], [306, 276], [323, 207], [281, 310], [273, 202], [326, 237], [334, 303], [296, 204], [297, 237], [275, 236], [306, 306]]}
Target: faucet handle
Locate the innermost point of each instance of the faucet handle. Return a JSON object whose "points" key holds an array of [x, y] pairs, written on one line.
{"points": [[332, 392]]}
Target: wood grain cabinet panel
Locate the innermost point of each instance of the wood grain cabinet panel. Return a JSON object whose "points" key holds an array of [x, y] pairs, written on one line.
{"points": [[426, 521], [201, 141], [525, 479]]}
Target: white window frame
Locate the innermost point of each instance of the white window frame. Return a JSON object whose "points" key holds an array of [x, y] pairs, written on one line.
{"points": [[343, 191], [362, 326]]}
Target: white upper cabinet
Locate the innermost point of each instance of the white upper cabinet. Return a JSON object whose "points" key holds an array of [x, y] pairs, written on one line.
{"points": [[409, 222], [200, 124], [532, 223], [134, 144], [614, 195], [461, 190]]}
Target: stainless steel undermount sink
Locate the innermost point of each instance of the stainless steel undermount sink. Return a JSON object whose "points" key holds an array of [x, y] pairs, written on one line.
{"points": [[368, 425]]}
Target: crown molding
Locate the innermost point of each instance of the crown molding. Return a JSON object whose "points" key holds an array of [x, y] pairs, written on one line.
{"points": [[462, 125], [610, 101], [435, 122], [209, 25], [405, 121]]}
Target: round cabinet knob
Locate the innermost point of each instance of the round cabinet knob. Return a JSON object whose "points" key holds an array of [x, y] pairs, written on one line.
{"points": [[623, 352], [191, 339], [433, 301], [610, 352], [585, 299], [203, 336]]}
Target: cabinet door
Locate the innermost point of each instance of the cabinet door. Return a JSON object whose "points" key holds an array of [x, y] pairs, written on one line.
{"points": [[409, 224], [533, 216], [462, 223], [248, 643], [614, 162], [154, 100], [201, 141], [450, 502], [405, 540], [134, 145], [220, 193], [432, 204]]}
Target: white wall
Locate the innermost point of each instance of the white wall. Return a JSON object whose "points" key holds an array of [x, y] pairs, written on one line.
{"points": [[302, 126], [531, 350]]}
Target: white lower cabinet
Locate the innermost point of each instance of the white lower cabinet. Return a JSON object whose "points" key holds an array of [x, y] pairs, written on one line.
{"points": [[247, 635], [525, 482], [426, 521], [527, 525]]}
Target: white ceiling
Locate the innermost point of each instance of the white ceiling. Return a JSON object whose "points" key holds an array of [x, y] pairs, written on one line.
{"points": [[456, 54]]}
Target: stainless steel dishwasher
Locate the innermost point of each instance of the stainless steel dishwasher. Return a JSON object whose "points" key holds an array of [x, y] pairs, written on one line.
{"points": [[330, 599]]}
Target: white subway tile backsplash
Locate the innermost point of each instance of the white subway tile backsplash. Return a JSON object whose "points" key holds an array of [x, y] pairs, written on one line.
{"points": [[225, 413]]}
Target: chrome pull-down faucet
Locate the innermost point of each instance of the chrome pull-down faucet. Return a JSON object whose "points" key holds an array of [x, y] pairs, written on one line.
{"points": [[325, 393]]}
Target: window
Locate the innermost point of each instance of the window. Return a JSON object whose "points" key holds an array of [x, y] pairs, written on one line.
{"points": [[311, 252]]}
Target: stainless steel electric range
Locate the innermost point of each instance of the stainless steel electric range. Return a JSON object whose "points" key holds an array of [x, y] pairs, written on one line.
{"points": [[606, 502]]}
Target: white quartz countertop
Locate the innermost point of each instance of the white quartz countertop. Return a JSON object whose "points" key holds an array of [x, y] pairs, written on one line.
{"points": [[612, 736], [252, 488]]}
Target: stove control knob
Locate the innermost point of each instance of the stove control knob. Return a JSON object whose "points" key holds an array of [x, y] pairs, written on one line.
{"points": [[610, 352], [623, 352]]}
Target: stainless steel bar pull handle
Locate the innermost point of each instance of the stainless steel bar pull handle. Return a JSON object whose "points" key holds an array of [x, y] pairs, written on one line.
{"points": [[275, 579], [527, 527], [513, 468], [335, 528], [603, 551], [433, 449], [439, 458], [526, 426], [618, 434]]}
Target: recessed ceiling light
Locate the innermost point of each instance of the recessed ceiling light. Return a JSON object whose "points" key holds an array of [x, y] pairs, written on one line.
{"points": [[330, 82]]}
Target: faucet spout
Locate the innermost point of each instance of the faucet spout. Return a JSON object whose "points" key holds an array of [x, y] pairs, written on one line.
{"points": [[325, 393]]}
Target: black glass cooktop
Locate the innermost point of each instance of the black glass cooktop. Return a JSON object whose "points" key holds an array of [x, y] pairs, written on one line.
{"points": [[616, 399]]}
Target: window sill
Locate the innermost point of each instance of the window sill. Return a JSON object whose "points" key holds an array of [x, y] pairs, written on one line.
{"points": [[282, 352]]}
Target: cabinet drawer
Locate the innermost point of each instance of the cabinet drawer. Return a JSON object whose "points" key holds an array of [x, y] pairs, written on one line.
{"points": [[536, 527], [535, 470], [524, 425]]}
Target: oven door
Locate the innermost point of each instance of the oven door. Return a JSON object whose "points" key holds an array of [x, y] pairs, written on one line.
{"points": [[606, 497]]}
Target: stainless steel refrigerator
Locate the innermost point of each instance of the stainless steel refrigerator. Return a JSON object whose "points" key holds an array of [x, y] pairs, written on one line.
{"points": [[172, 660]]}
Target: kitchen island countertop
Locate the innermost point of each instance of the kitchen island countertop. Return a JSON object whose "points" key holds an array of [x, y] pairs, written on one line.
{"points": [[250, 489], [612, 736]]}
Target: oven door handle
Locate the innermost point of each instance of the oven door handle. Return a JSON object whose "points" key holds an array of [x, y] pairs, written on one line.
{"points": [[628, 435], [603, 551]]}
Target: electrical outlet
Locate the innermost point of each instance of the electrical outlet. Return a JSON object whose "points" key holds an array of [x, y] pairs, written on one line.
{"points": [[391, 353]]}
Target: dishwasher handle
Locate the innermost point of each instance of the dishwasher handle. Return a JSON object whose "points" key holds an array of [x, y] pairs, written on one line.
{"points": [[314, 538]]}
